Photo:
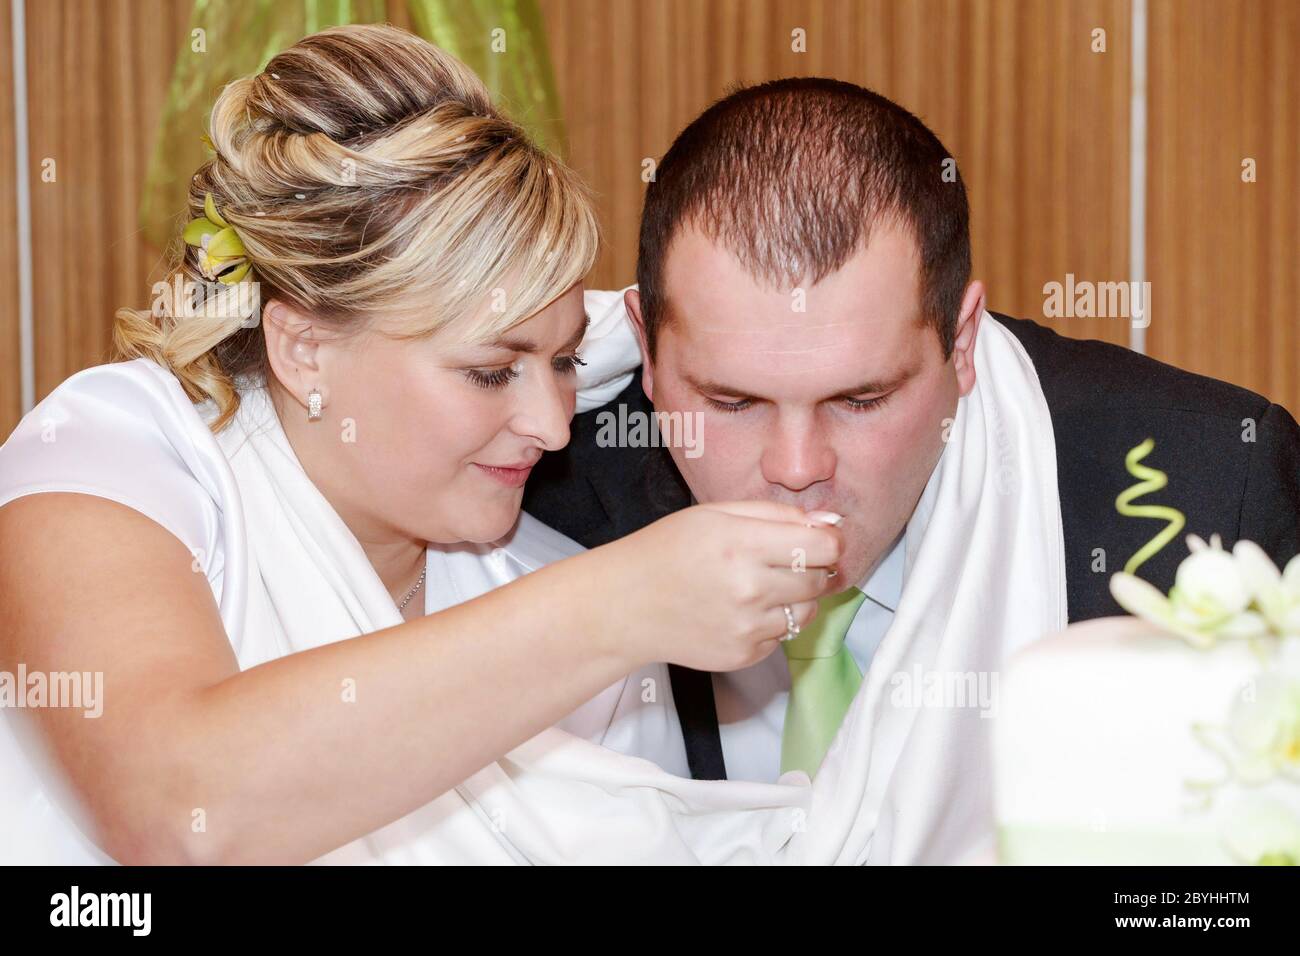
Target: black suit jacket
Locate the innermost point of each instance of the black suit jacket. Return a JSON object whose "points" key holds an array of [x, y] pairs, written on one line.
{"points": [[1103, 400]]}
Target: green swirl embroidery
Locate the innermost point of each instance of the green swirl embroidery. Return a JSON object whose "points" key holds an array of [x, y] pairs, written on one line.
{"points": [[1150, 480]]}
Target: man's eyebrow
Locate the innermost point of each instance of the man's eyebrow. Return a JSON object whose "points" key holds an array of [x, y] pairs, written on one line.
{"points": [[515, 344], [866, 388]]}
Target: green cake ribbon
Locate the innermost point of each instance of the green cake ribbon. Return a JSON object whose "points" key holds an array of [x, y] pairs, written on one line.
{"points": [[1150, 480]]}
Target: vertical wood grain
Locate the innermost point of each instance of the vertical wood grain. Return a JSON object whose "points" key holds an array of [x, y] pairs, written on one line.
{"points": [[97, 76], [1223, 254], [10, 350], [1038, 122]]}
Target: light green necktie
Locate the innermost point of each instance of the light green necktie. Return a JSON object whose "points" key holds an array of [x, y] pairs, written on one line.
{"points": [[824, 677]]}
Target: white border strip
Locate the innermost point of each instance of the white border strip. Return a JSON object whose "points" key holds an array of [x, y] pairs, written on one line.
{"points": [[26, 341], [1137, 173]]}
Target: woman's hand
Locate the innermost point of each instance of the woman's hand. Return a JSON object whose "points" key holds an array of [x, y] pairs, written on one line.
{"points": [[704, 587]]}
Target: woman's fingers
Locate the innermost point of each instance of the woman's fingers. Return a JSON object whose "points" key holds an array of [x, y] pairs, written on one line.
{"points": [[785, 586], [720, 576], [782, 544], [803, 613], [765, 510], [786, 536]]}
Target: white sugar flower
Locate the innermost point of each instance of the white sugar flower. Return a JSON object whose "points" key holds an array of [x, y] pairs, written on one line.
{"points": [[1261, 739], [1264, 728], [1210, 598], [1264, 833], [1276, 594]]}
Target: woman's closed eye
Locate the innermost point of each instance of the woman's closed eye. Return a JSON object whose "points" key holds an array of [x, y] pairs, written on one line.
{"points": [[504, 375]]}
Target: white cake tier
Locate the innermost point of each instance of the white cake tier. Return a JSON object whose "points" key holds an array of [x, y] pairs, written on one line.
{"points": [[1094, 750]]}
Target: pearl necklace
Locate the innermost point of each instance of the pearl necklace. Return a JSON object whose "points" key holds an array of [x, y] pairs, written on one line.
{"points": [[411, 593]]}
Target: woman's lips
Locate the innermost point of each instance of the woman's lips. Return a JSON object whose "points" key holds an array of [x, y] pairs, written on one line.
{"points": [[510, 477]]}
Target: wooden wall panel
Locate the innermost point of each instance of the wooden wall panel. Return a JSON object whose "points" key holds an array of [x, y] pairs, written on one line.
{"points": [[1038, 122], [97, 76], [1223, 254], [10, 352], [98, 73]]}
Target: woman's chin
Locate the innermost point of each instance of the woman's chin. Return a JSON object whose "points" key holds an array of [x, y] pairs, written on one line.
{"points": [[490, 523]]}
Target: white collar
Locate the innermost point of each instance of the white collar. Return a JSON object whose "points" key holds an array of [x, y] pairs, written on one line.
{"points": [[884, 585]]}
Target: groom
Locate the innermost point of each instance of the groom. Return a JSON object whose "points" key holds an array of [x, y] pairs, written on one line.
{"points": [[805, 296]]}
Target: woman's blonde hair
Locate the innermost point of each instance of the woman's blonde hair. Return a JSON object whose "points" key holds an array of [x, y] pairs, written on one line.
{"points": [[365, 170]]}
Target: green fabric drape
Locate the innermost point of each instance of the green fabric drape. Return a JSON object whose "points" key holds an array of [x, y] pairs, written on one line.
{"points": [[240, 37]]}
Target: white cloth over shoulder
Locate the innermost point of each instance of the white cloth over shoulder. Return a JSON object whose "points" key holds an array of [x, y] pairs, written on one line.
{"points": [[609, 348], [902, 783]]}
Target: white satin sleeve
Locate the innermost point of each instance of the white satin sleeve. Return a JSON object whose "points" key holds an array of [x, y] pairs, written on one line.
{"points": [[113, 431], [609, 348]]}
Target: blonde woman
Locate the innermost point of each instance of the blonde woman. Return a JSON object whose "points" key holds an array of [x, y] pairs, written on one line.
{"points": [[292, 547]]}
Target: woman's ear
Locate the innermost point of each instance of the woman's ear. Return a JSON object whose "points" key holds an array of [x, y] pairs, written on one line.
{"points": [[632, 302], [293, 350], [968, 324]]}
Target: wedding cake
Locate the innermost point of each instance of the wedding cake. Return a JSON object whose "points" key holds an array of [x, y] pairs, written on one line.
{"points": [[1170, 737]]}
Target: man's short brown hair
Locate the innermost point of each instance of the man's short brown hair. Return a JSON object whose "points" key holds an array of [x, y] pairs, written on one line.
{"points": [[790, 176]]}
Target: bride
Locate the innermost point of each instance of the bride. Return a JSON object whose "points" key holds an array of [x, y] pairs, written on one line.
{"points": [[293, 546]]}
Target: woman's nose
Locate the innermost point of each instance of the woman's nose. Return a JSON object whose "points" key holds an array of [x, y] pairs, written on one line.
{"points": [[545, 409]]}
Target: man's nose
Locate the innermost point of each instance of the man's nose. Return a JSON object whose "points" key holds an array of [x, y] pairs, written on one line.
{"points": [[797, 454]]}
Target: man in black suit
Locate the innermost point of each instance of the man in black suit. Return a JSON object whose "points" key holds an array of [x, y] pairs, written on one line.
{"points": [[804, 292]]}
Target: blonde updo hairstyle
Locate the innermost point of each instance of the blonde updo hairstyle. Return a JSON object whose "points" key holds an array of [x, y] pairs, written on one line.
{"points": [[366, 171]]}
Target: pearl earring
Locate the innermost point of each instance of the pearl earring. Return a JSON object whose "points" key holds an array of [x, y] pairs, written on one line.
{"points": [[313, 405]]}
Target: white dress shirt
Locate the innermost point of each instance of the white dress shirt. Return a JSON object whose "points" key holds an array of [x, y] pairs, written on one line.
{"points": [[751, 702]]}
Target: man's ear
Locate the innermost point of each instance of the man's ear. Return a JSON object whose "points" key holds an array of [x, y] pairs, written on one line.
{"points": [[293, 351], [632, 300], [968, 326]]}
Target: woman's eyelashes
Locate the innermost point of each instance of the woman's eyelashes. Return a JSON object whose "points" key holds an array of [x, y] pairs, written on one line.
{"points": [[491, 378], [501, 377]]}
